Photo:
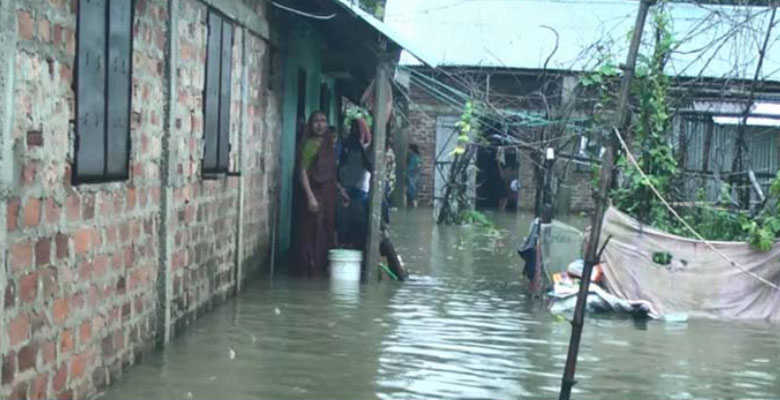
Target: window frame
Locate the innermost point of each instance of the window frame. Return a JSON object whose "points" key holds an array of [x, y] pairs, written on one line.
{"points": [[79, 160], [213, 131]]}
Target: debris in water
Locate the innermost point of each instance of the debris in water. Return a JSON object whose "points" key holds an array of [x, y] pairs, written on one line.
{"points": [[277, 311], [254, 339], [232, 354], [213, 378], [190, 396]]}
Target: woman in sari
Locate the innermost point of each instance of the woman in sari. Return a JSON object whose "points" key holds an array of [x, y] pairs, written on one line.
{"points": [[317, 212]]}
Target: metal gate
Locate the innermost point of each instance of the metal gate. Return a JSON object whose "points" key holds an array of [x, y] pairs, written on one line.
{"points": [[446, 140]]}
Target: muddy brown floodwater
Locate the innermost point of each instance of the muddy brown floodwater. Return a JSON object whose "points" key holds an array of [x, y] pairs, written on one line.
{"points": [[462, 329]]}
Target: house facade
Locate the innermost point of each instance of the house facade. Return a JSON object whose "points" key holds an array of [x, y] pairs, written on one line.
{"points": [[146, 156]]}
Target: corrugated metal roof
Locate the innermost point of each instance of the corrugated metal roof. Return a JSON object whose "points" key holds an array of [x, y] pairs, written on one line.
{"points": [[412, 47], [519, 34]]}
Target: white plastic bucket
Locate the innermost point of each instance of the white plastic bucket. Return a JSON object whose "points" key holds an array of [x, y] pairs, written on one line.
{"points": [[345, 264]]}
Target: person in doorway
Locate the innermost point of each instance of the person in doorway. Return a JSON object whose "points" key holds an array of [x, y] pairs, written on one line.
{"points": [[317, 211], [413, 162], [355, 177], [507, 169]]}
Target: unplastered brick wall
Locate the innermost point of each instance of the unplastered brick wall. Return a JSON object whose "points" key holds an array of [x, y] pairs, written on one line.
{"points": [[259, 149], [422, 132], [79, 299], [205, 211], [82, 263]]}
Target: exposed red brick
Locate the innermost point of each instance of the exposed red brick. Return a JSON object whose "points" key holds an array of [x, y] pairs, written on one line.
{"points": [[27, 356], [32, 212], [57, 34], [73, 207], [34, 138], [142, 197], [66, 341], [28, 173], [100, 265], [49, 352], [63, 246], [85, 332], [28, 287], [85, 270], [77, 366], [60, 378], [19, 330], [131, 199], [21, 255], [53, 211], [26, 24], [43, 252], [44, 30], [9, 368], [39, 388], [10, 295], [20, 391], [12, 214], [82, 240], [60, 310]]}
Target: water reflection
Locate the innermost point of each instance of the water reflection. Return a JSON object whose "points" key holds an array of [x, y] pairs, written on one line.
{"points": [[463, 328]]}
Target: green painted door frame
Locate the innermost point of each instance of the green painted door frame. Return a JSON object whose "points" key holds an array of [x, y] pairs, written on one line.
{"points": [[305, 53]]}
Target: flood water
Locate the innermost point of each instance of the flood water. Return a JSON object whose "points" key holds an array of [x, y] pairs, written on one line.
{"points": [[463, 329]]}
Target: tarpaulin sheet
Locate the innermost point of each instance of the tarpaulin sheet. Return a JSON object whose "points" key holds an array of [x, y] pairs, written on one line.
{"points": [[698, 281]]}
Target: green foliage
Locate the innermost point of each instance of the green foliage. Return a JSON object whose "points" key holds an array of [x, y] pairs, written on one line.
{"points": [[655, 156], [656, 159], [354, 112], [467, 128], [476, 218]]}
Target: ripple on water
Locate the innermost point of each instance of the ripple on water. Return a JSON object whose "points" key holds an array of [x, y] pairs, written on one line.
{"points": [[461, 329]]}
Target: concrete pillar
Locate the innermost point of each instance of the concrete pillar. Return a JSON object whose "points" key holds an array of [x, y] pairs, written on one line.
{"points": [[167, 173], [7, 69], [241, 162]]}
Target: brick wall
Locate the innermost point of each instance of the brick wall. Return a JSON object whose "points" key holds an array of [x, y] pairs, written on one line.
{"points": [[424, 109], [83, 263]]}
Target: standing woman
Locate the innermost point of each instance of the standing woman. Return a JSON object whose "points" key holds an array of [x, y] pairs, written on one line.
{"points": [[317, 212]]}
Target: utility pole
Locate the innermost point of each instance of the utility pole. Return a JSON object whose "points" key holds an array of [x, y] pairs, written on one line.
{"points": [[605, 181]]}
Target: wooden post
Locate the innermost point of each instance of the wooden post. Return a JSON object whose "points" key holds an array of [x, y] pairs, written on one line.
{"points": [[378, 176], [605, 181]]}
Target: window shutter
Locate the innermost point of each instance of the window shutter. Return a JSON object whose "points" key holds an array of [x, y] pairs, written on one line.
{"points": [[119, 68], [91, 89], [224, 101], [211, 101]]}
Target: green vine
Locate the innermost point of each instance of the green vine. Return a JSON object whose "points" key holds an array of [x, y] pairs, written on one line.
{"points": [[652, 146]]}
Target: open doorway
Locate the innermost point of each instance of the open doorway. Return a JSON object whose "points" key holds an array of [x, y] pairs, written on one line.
{"points": [[496, 170]]}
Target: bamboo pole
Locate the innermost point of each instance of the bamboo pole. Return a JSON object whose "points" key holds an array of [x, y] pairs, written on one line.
{"points": [[605, 181], [378, 176]]}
